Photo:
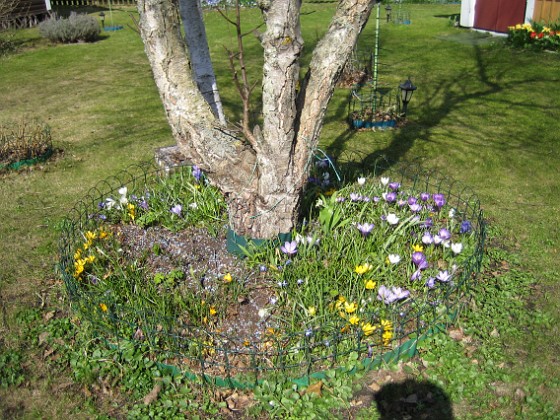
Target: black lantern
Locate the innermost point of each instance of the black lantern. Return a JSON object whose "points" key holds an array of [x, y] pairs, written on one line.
{"points": [[102, 17], [388, 9], [407, 89]]}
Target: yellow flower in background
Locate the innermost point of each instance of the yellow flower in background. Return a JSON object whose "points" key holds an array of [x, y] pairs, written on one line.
{"points": [[370, 284], [354, 320], [90, 259], [417, 248], [228, 278], [368, 329], [330, 192], [350, 307], [131, 211], [90, 236], [78, 254], [339, 301], [364, 268], [103, 307], [213, 310], [387, 331], [387, 336], [312, 310], [102, 233]]}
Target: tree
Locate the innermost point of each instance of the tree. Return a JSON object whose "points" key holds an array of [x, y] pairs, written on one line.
{"points": [[262, 174]]}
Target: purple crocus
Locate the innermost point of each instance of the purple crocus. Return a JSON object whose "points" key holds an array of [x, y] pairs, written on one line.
{"points": [[390, 197], [355, 197], [427, 238], [394, 186], [444, 234], [419, 259], [439, 200], [390, 295], [424, 196], [411, 200], [431, 283], [417, 275], [196, 172], [289, 248], [428, 223], [365, 228], [177, 209], [415, 208], [465, 227], [443, 276]]}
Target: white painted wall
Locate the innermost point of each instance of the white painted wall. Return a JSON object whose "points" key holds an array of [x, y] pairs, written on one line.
{"points": [[467, 13]]}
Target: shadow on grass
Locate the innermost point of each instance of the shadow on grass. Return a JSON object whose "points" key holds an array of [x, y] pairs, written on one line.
{"points": [[447, 96], [413, 399]]}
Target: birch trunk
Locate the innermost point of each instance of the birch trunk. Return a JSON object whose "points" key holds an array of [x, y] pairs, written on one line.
{"points": [[262, 177], [197, 45]]}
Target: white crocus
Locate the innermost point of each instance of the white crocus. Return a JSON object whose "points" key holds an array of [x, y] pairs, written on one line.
{"points": [[392, 219], [384, 181], [394, 258], [456, 248], [361, 180]]}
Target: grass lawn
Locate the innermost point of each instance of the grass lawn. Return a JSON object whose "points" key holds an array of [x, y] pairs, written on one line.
{"points": [[483, 114]]}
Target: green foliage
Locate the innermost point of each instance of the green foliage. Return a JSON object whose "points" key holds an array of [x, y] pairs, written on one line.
{"points": [[11, 370], [75, 28], [535, 36], [7, 44]]}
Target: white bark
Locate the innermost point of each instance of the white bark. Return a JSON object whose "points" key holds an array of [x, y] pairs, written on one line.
{"points": [[262, 179], [197, 44]]}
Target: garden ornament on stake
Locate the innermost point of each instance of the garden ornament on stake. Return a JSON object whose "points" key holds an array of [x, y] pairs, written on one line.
{"points": [[407, 89]]}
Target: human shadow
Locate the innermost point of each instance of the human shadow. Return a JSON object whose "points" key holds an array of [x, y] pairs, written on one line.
{"points": [[413, 399]]}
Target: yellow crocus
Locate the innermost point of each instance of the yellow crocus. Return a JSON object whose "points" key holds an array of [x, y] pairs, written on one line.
{"points": [[312, 310], [354, 320], [103, 307], [350, 307], [228, 278], [363, 268], [417, 248], [370, 284], [368, 329]]}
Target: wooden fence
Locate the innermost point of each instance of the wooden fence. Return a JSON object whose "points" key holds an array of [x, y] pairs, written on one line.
{"points": [[547, 11]]}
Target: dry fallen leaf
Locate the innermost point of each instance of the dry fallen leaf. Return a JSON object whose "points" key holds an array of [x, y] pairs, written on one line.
{"points": [[153, 394], [315, 388]]}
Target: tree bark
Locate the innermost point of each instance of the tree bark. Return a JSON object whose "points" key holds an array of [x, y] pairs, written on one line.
{"points": [[262, 179], [197, 44]]}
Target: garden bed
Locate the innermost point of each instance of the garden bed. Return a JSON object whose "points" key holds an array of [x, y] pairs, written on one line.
{"points": [[144, 261]]}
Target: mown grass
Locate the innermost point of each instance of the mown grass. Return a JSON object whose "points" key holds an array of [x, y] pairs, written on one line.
{"points": [[483, 114]]}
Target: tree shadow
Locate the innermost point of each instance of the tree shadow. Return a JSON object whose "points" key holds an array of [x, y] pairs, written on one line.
{"points": [[413, 399], [447, 96]]}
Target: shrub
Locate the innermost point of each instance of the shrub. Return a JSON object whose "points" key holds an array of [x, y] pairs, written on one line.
{"points": [[75, 28], [23, 141], [7, 44]]}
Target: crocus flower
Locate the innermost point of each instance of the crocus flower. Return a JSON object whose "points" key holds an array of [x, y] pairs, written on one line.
{"points": [[444, 234], [424, 196], [392, 219], [415, 208], [465, 227], [390, 295], [368, 329], [443, 276], [439, 200], [177, 209], [394, 258], [384, 181], [457, 247], [390, 197], [416, 275], [394, 186], [289, 248], [361, 180], [430, 284], [427, 238], [411, 200], [355, 197], [365, 228], [418, 258], [428, 223], [370, 285], [196, 172]]}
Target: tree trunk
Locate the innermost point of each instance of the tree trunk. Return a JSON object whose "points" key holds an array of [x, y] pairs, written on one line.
{"points": [[263, 176], [197, 44]]}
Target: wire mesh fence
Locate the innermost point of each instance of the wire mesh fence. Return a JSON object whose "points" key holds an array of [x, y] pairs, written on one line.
{"points": [[228, 359]]}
